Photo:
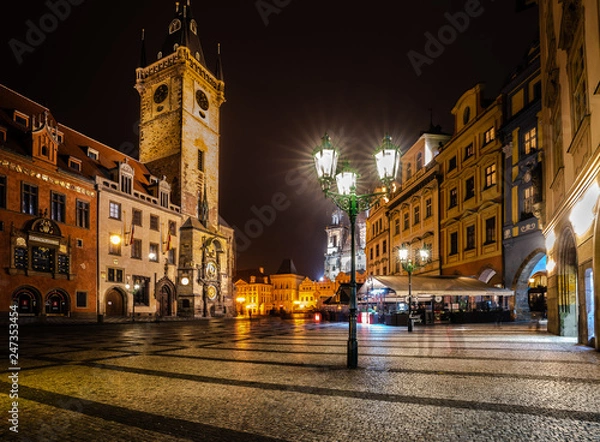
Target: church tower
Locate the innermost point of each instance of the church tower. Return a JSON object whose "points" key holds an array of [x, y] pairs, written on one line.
{"points": [[180, 100]]}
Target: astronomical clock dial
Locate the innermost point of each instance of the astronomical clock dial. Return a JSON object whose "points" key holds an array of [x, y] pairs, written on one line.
{"points": [[160, 94], [202, 99], [211, 271], [211, 292]]}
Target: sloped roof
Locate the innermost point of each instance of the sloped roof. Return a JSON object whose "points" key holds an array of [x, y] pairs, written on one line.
{"points": [[245, 275], [434, 285], [287, 267]]}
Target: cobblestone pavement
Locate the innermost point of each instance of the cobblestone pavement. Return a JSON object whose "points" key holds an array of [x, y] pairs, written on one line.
{"points": [[278, 380]]}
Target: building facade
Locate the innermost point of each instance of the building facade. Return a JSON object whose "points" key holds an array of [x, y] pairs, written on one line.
{"points": [[522, 239], [253, 292], [47, 215], [471, 191], [570, 125], [337, 255]]}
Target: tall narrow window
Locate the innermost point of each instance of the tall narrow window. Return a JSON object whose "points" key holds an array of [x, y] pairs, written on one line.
{"points": [[83, 214], [530, 141], [453, 197], [114, 246], [29, 199], [416, 215], [428, 208], [136, 249], [397, 226], [469, 188], [469, 151], [453, 243], [528, 200], [58, 207], [470, 238], [408, 171], [136, 217], [578, 87], [406, 221], [126, 184], [490, 230], [154, 222], [200, 160], [164, 199], [2, 192], [419, 161]]}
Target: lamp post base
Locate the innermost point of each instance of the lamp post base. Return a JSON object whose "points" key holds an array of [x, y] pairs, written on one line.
{"points": [[352, 353], [410, 324]]}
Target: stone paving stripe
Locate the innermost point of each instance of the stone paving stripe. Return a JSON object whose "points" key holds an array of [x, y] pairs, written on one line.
{"points": [[147, 421], [382, 397]]}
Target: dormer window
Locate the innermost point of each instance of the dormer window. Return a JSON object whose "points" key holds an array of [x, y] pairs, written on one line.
{"points": [[174, 26], [21, 118], [163, 193], [126, 178], [92, 153], [164, 199], [194, 27], [75, 164]]}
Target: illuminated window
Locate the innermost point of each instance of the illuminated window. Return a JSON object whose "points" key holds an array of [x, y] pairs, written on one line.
{"points": [[114, 210], [469, 151], [114, 275], [490, 176], [489, 135], [153, 252], [530, 141]]}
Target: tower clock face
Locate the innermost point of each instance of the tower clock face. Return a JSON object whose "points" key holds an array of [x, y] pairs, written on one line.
{"points": [[202, 99], [160, 94]]}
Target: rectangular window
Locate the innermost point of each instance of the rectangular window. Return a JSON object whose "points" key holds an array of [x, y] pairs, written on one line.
{"points": [[469, 151], [489, 135], [416, 215], [93, 154], [384, 246], [136, 217], [172, 228], [200, 160], [376, 250], [115, 275], [453, 197], [397, 226], [530, 141], [2, 192], [406, 221], [490, 230], [428, 208], [83, 214], [452, 164], [164, 199], [114, 246], [136, 249], [469, 188], [75, 164], [153, 255], [453, 243], [470, 238], [528, 200], [578, 87], [171, 256], [82, 299], [371, 253], [114, 210], [58, 207], [154, 222], [29, 199], [490, 176]]}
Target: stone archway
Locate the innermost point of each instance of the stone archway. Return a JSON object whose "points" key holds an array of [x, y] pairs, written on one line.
{"points": [[521, 284], [114, 303], [28, 301], [57, 303], [567, 278]]}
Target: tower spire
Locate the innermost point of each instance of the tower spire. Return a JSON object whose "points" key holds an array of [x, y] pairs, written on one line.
{"points": [[143, 60], [219, 67], [183, 31]]}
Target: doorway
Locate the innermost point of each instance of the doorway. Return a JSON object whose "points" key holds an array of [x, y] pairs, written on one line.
{"points": [[114, 304]]}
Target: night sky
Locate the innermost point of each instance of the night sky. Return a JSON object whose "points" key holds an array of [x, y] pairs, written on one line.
{"points": [[292, 73]]}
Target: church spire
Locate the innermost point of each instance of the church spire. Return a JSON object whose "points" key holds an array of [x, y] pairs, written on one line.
{"points": [[219, 68], [143, 60], [183, 31]]}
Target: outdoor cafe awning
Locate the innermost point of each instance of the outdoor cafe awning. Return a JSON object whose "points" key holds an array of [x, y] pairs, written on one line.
{"points": [[433, 285]]}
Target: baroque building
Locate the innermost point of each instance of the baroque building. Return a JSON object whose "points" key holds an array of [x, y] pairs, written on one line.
{"points": [[471, 191], [570, 124], [180, 100]]}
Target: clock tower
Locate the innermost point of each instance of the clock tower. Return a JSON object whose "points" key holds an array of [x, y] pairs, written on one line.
{"points": [[180, 100]]}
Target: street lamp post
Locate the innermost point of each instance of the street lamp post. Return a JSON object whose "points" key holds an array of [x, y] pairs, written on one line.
{"points": [[326, 156], [137, 286], [410, 266]]}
